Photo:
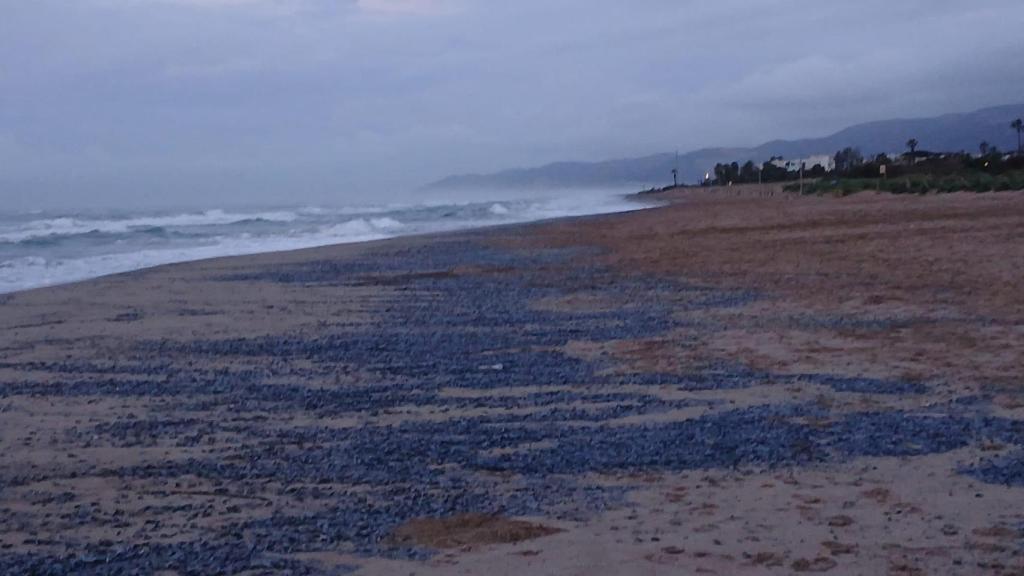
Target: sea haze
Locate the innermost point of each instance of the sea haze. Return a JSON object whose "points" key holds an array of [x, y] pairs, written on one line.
{"points": [[47, 248]]}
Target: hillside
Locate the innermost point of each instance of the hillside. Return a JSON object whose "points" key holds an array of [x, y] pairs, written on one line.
{"points": [[951, 132]]}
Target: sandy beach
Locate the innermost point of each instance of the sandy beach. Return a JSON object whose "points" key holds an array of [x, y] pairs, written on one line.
{"points": [[732, 383]]}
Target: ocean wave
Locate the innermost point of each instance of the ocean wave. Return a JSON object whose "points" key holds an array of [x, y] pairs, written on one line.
{"points": [[385, 223], [72, 226], [55, 250], [150, 233], [350, 210], [363, 228]]}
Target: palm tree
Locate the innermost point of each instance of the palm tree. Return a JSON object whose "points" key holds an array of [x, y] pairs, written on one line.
{"points": [[984, 148], [1018, 125], [912, 145]]}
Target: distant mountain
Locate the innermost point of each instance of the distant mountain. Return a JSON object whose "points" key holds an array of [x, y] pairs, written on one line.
{"points": [[952, 132]]}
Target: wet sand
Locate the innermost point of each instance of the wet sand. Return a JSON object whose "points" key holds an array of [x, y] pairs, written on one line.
{"points": [[729, 384]]}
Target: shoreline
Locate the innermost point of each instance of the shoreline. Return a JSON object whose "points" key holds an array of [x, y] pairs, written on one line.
{"points": [[740, 384], [630, 198]]}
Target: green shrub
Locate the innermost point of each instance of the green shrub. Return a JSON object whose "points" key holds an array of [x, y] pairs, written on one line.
{"points": [[952, 184], [899, 187], [981, 183], [915, 184]]}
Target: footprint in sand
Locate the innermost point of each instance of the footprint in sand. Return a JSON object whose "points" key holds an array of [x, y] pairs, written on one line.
{"points": [[706, 509], [527, 553], [677, 495], [985, 547], [879, 495], [838, 548], [905, 570], [998, 533], [820, 564], [766, 559], [840, 521], [668, 556]]}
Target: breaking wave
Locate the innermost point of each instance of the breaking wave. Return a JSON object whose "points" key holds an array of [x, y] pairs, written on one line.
{"points": [[45, 249]]}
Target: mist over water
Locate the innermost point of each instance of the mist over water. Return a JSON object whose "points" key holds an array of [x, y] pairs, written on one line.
{"points": [[52, 247]]}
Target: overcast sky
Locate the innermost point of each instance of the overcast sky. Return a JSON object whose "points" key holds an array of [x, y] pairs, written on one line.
{"points": [[206, 101]]}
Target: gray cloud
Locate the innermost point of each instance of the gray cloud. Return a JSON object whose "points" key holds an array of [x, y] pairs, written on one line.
{"points": [[273, 100]]}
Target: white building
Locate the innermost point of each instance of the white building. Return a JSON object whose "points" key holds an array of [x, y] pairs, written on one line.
{"points": [[824, 160]]}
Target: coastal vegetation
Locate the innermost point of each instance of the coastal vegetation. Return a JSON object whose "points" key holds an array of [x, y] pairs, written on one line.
{"points": [[916, 171], [917, 184], [934, 173]]}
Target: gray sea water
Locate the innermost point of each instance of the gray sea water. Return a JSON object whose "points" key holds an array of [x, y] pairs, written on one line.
{"points": [[47, 248]]}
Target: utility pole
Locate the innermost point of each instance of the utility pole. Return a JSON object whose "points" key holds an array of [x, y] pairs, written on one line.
{"points": [[801, 178]]}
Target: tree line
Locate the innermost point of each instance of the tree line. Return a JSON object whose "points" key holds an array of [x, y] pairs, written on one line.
{"points": [[750, 173]]}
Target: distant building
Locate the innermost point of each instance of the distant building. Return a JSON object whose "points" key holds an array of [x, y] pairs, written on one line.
{"points": [[824, 160]]}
